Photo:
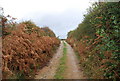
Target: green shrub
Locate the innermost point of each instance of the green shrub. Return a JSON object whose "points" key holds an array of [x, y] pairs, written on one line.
{"points": [[99, 34]]}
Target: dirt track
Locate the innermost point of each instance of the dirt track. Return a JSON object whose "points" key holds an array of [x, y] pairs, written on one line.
{"points": [[72, 71], [49, 71]]}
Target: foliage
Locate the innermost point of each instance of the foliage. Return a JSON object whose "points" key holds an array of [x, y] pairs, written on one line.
{"points": [[30, 27], [97, 40], [25, 50], [48, 31]]}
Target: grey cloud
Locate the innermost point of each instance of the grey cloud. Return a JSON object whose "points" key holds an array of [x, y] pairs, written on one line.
{"points": [[60, 23]]}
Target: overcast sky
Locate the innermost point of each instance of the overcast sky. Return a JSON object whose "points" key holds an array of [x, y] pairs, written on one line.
{"points": [[59, 15]]}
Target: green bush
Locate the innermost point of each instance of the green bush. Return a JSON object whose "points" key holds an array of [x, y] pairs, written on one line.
{"points": [[99, 32]]}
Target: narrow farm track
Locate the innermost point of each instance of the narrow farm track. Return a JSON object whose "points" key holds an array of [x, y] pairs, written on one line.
{"points": [[49, 71], [72, 70]]}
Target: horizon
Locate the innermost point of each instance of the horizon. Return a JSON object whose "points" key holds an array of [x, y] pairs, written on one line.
{"points": [[60, 19]]}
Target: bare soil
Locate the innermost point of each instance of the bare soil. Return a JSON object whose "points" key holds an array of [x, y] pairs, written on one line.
{"points": [[49, 71], [73, 70]]}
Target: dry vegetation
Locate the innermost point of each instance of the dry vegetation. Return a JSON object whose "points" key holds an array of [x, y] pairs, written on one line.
{"points": [[26, 48]]}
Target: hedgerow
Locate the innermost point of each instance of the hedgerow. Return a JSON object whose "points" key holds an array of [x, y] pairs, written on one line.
{"points": [[97, 40]]}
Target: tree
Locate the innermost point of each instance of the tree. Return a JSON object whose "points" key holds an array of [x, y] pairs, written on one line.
{"points": [[2, 18]]}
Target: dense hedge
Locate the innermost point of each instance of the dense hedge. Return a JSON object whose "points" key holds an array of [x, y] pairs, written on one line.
{"points": [[97, 40]]}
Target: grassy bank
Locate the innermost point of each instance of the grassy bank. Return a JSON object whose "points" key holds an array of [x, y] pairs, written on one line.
{"points": [[62, 66]]}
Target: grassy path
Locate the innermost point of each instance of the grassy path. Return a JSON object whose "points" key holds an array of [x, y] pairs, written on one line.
{"points": [[69, 65], [64, 65], [60, 71]]}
